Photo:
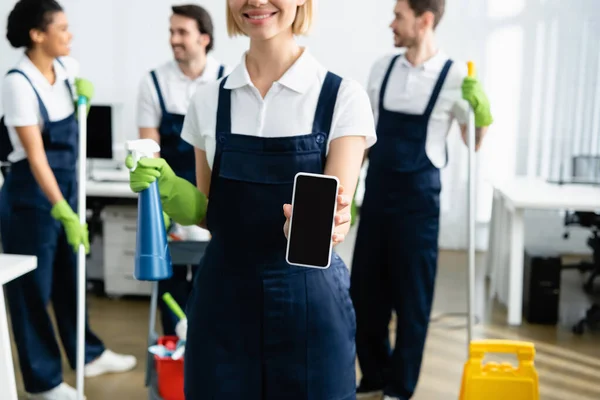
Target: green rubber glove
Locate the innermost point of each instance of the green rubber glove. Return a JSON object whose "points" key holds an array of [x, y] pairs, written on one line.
{"points": [[76, 233], [181, 200], [353, 212], [472, 92], [84, 88], [167, 220]]}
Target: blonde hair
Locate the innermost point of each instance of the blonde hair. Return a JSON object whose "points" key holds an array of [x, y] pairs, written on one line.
{"points": [[301, 25]]}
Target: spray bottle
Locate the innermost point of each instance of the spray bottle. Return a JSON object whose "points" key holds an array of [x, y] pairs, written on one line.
{"points": [[152, 255]]}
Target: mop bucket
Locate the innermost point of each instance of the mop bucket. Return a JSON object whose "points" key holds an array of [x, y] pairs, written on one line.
{"points": [[169, 372], [500, 381], [491, 381]]}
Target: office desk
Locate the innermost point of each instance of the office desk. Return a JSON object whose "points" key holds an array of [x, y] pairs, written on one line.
{"points": [[506, 238], [11, 267], [105, 189]]}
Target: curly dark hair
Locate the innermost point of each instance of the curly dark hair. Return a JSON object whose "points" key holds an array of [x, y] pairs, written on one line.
{"points": [[28, 15]]}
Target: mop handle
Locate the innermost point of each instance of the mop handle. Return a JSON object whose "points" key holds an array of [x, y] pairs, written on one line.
{"points": [[81, 206], [172, 304], [471, 215]]}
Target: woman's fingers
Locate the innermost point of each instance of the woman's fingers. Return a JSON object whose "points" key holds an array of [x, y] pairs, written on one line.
{"points": [[287, 210], [343, 201], [338, 238], [342, 218]]}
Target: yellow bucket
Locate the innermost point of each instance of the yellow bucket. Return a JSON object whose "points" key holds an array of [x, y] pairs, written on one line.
{"points": [[500, 381]]}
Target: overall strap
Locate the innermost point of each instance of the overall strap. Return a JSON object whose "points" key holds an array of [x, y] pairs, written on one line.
{"points": [[221, 72], [326, 104], [437, 89], [224, 110], [43, 111], [385, 81], [163, 108]]}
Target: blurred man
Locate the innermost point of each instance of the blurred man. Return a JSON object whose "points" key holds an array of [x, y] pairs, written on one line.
{"points": [[416, 95], [164, 97]]}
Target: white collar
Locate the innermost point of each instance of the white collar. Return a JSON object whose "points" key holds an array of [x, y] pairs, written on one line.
{"points": [[35, 75], [298, 77], [435, 63]]}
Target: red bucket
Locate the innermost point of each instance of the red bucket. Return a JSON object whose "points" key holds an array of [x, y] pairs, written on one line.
{"points": [[169, 372]]}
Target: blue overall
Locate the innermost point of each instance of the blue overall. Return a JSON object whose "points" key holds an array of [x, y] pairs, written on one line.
{"points": [[179, 154], [395, 255], [28, 228], [260, 328]]}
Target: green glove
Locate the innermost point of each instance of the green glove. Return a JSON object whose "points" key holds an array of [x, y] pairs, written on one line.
{"points": [[472, 91], [84, 88], [353, 212], [76, 233], [167, 220], [181, 200]]}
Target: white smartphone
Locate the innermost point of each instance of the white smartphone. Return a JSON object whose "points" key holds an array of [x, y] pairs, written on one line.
{"points": [[314, 205]]}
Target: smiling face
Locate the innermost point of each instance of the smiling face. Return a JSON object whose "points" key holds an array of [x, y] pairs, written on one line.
{"points": [[55, 40], [264, 19], [187, 41]]}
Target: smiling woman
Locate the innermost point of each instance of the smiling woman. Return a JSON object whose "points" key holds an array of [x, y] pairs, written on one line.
{"points": [[258, 327]]}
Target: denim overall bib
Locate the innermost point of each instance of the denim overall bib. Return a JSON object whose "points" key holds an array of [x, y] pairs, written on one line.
{"points": [[28, 228], [260, 328], [178, 153], [395, 255], [180, 156]]}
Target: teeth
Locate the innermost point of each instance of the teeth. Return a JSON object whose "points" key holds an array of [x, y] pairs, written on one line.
{"points": [[260, 16]]}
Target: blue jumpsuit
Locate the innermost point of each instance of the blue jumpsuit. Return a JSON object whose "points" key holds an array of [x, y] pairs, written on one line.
{"points": [[260, 328], [179, 154], [28, 228], [395, 255]]}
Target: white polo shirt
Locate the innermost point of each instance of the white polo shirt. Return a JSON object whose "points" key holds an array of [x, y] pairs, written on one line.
{"points": [[288, 109], [177, 90], [409, 90], [20, 104]]}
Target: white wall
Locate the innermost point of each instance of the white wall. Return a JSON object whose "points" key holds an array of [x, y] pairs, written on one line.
{"points": [[115, 48]]}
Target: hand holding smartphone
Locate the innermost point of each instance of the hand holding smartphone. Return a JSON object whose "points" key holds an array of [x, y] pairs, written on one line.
{"points": [[311, 225]]}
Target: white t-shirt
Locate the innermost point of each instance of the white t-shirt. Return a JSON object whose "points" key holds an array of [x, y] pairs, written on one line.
{"points": [[21, 106], [177, 90], [409, 89], [288, 109]]}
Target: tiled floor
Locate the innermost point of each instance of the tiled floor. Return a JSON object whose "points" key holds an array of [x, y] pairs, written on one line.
{"points": [[568, 365]]}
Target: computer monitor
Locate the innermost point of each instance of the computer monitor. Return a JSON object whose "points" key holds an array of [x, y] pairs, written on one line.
{"points": [[100, 132]]}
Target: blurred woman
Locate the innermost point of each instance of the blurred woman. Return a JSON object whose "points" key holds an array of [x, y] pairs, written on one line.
{"points": [[38, 215]]}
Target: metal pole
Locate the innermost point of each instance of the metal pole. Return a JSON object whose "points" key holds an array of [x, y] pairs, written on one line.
{"points": [[471, 218], [81, 206]]}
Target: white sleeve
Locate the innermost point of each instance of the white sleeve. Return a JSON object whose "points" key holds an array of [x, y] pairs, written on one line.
{"points": [[376, 76], [228, 70], [191, 132], [352, 115], [21, 106], [148, 109]]}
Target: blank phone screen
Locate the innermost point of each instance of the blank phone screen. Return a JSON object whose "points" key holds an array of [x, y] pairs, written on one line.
{"points": [[312, 220]]}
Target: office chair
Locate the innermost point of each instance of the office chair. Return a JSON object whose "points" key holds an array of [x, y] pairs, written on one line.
{"points": [[586, 170], [587, 220]]}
